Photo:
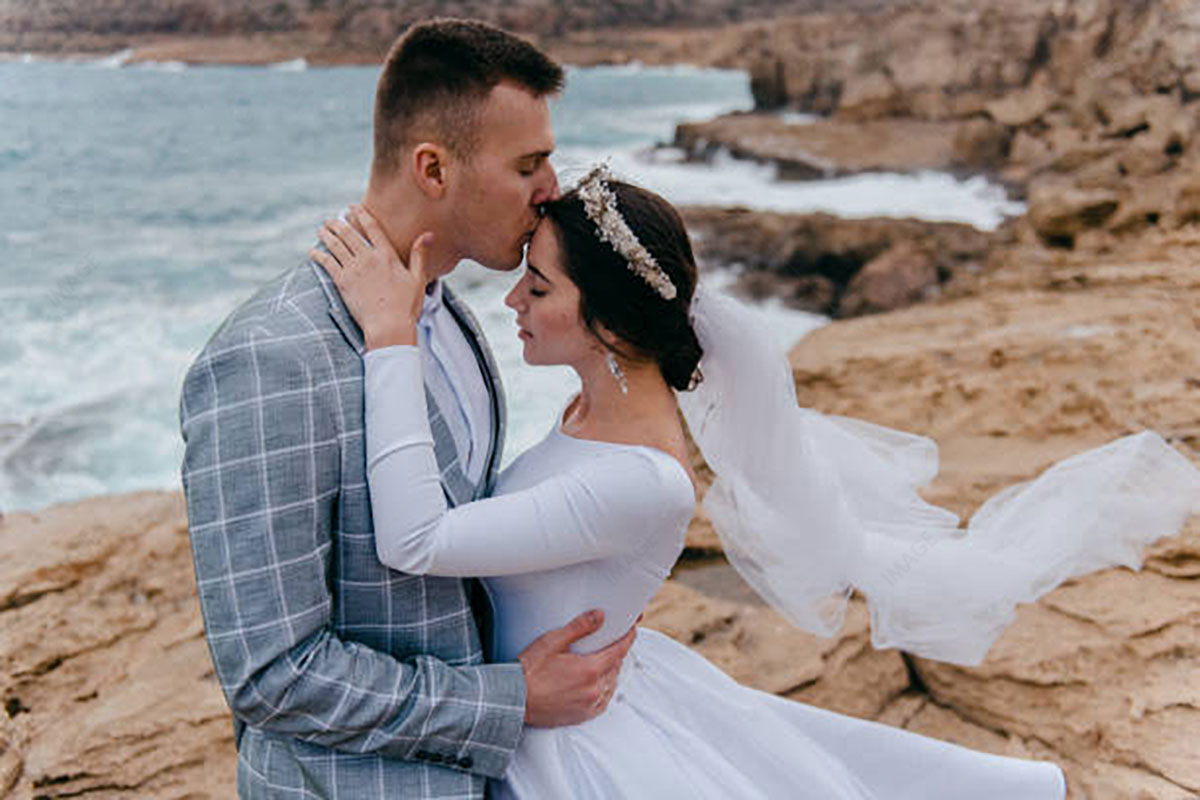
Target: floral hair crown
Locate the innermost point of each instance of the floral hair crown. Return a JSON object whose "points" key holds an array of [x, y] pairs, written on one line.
{"points": [[600, 203]]}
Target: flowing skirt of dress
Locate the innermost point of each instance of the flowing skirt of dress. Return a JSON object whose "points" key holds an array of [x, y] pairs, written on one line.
{"points": [[680, 728]]}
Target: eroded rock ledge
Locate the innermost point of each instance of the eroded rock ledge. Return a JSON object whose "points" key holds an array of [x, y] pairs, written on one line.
{"points": [[835, 266], [1088, 109]]}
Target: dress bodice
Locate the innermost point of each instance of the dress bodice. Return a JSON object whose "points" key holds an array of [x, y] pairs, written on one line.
{"points": [[575, 524], [529, 604]]}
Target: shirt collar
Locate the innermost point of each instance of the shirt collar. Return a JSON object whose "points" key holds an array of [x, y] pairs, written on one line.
{"points": [[433, 300]]}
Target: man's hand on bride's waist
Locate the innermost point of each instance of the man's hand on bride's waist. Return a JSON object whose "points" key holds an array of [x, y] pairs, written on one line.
{"points": [[564, 688]]}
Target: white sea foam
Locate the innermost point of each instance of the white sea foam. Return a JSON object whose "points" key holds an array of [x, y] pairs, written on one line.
{"points": [[294, 65], [164, 66], [798, 117], [730, 182], [114, 61], [22, 237], [106, 423]]}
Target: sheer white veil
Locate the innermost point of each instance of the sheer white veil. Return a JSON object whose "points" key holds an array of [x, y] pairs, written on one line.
{"points": [[810, 507]]}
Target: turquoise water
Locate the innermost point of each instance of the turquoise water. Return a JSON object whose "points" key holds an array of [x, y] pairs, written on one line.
{"points": [[139, 205]]}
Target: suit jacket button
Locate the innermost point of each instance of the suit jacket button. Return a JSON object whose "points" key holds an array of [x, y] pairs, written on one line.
{"points": [[466, 762]]}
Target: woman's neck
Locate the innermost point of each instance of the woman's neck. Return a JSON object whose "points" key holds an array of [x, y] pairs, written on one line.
{"points": [[603, 410]]}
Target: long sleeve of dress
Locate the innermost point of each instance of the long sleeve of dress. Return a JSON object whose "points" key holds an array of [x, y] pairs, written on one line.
{"points": [[601, 507]]}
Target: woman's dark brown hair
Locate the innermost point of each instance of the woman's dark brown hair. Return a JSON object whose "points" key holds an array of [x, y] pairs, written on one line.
{"points": [[612, 296]]}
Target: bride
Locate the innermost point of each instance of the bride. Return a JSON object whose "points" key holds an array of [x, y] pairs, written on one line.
{"points": [[809, 508]]}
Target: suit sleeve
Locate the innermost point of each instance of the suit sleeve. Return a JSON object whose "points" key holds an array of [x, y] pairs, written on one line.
{"points": [[261, 473], [600, 507]]}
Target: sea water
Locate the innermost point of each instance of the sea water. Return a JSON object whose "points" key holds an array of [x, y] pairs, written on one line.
{"points": [[139, 204]]}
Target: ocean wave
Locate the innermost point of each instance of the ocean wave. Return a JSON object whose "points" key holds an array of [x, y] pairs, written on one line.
{"points": [[100, 445], [44, 436]]}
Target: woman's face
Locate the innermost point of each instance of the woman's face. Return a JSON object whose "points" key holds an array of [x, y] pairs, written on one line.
{"points": [[547, 306]]}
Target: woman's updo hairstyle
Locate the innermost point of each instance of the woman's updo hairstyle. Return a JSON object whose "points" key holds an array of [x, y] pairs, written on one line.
{"points": [[615, 297]]}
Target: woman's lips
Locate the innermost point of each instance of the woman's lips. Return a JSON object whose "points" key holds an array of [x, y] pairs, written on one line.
{"points": [[524, 334]]}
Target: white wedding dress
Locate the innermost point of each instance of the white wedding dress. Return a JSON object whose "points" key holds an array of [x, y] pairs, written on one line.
{"points": [[579, 524]]}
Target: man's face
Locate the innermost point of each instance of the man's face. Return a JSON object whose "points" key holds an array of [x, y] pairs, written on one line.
{"points": [[494, 201]]}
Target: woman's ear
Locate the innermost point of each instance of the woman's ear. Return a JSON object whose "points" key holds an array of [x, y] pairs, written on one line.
{"points": [[430, 169], [606, 341]]}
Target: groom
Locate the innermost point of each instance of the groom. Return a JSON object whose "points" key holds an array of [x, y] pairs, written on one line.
{"points": [[346, 679]]}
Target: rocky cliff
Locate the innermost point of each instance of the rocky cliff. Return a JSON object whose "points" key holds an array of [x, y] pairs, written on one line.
{"points": [[1086, 107], [839, 267]]}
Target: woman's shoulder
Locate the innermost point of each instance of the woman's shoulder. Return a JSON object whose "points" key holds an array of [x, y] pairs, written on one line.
{"points": [[644, 474]]}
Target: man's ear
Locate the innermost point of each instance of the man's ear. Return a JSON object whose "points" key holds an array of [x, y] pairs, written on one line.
{"points": [[430, 169]]}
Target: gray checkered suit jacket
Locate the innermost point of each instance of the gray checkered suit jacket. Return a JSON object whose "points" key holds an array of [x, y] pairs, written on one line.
{"points": [[346, 679]]}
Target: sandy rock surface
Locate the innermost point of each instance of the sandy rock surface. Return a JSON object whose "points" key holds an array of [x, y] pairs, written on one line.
{"points": [[824, 148], [106, 680], [1049, 354], [1055, 354]]}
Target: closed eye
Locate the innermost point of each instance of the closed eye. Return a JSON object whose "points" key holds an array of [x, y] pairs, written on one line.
{"points": [[530, 164]]}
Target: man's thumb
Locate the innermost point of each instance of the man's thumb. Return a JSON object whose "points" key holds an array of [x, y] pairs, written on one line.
{"points": [[582, 625]]}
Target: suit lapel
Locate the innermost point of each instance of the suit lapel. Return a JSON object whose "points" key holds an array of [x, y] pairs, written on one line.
{"points": [[338, 311], [457, 486], [491, 377]]}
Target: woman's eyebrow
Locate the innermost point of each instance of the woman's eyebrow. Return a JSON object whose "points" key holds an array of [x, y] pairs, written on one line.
{"points": [[536, 271]]}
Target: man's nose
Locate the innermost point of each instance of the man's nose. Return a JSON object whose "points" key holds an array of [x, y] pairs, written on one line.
{"points": [[549, 189]]}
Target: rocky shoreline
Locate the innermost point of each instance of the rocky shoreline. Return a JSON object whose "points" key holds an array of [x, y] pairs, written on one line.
{"points": [[1088, 110], [650, 47], [355, 32]]}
